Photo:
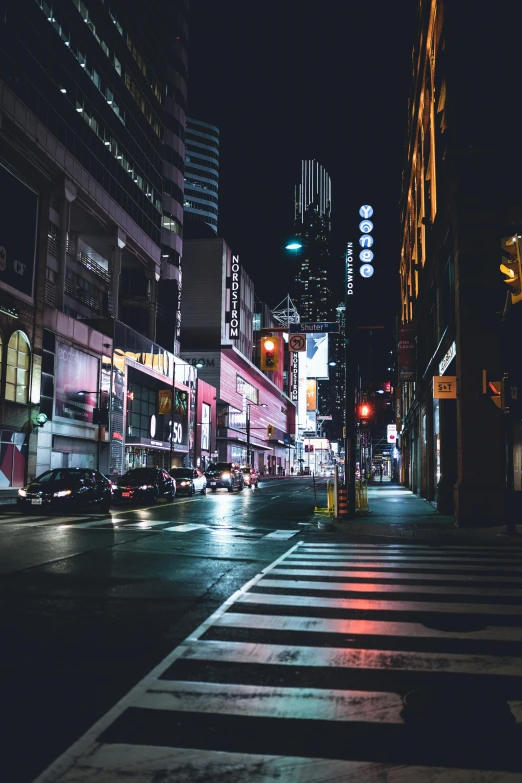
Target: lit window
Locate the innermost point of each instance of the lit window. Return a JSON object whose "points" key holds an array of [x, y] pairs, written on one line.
{"points": [[17, 375]]}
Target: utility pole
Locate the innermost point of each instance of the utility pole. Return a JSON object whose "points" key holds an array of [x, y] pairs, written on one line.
{"points": [[248, 433]]}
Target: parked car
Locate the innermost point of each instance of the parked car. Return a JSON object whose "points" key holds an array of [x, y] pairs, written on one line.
{"points": [[145, 484], [250, 477], [65, 490], [189, 481], [226, 475]]}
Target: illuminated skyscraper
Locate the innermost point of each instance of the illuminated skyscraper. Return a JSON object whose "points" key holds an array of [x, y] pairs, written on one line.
{"points": [[312, 227]]}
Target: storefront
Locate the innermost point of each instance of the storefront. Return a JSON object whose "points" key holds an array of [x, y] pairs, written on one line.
{"points": [[153, 406]]}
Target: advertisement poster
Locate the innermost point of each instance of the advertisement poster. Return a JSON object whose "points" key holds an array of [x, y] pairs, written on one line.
{"points": [[76, 371], [406, 353], [17, 234], [311, 394], [205, 427], [317, 355]]}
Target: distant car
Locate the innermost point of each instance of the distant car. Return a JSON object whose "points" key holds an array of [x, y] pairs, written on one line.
{"points": [[65, 490], [145, 484], [225, 475], [189, 481], [250, 477]]}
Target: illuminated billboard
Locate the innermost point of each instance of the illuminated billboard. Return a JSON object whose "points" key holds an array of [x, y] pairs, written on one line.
{"points": [[317, 355]]}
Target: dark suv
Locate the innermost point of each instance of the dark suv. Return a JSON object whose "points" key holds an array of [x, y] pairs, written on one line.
{"points": [[225, 474]]}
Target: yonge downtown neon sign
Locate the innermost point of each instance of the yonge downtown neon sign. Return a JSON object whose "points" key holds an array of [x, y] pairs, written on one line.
{"points": [[366, 241]]}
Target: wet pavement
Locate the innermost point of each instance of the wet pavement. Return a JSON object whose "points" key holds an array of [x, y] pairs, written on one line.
{"points": [[228, 637]]}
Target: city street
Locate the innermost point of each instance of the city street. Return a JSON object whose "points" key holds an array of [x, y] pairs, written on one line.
{"points": [[256, 648]]}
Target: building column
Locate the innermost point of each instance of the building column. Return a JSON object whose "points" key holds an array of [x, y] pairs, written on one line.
{"points": [[153, 287], [116, 248], [65, 216]]}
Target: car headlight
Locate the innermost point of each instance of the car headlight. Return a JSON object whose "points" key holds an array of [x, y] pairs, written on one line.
{"points": [[225, 475], [184, 483], [145, 486], [22, 493], [62, 493]]}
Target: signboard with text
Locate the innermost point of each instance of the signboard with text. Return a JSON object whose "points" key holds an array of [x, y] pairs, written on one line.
{"points": [[314, 327], [445, 387], [76, 371]]}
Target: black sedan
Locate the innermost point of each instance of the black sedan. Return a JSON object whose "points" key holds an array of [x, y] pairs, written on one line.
{"points": [[189, 481], [145, 484], [65, 490]]}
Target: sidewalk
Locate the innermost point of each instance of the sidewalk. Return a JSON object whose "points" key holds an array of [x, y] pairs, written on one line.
{"points": [[395, 512]]}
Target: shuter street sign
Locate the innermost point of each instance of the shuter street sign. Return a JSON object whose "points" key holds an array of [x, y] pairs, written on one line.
{"points": [[314, 327]]}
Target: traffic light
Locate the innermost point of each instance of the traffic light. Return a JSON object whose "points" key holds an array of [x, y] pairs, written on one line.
{"points": [[493, 389], [511, 266], [307, 448], [270, 431], [364, 411], [269, 353], [311, 449]]}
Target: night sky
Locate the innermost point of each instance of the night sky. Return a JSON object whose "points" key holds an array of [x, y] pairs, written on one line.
{"points": [[291, 79]]}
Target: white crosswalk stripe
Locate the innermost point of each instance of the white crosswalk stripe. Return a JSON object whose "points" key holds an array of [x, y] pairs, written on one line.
{"points": [[362, 663]]}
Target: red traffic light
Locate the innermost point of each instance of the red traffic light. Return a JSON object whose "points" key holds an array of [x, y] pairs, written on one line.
{"points": [[270, 348]]}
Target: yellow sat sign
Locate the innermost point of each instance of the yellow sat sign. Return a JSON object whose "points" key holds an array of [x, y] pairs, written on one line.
{"points": [[445, 387]]}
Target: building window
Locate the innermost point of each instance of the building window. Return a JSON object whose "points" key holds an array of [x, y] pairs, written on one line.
{"points": [[17, 375], [247, 390]]}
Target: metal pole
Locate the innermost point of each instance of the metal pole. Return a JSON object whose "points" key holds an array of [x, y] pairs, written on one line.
{"points": [[172, 400], [248, 432], [98, 405], [336, 490]]}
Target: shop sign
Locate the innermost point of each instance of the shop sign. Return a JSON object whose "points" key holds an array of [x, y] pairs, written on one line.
{"points": [[448, 357], [366, 241], [294, 394], [445, 387], [233, 313], [391, 433], [406, 353], [349, 269]]}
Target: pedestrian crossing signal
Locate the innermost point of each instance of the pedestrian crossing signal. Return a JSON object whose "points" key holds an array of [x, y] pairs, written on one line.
{"points": [[270, 431]]}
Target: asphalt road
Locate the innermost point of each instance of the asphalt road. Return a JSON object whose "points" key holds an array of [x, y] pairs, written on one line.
{"points": [[90, 604]]}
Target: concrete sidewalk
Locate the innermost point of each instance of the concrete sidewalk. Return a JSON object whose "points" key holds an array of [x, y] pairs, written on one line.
{"points": [[395, 512]]}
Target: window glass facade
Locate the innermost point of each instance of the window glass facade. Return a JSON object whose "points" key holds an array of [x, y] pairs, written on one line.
{"points": [[17, 371], [247, 390]]}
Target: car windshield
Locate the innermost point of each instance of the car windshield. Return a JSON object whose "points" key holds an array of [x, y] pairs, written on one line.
{"points": [[140, 473], [246, 470], [181, 473], [64, 474], [219, 466]]}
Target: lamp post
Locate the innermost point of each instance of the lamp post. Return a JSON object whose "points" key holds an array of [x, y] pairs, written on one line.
{"points": [[349, 410], [249, 404]]}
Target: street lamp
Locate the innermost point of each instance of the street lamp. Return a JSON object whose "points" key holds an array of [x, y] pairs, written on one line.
{"points": [[259, 405], [294, 245]]}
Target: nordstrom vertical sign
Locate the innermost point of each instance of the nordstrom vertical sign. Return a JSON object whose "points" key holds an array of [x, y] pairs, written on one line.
{"points": [[233, 314]]}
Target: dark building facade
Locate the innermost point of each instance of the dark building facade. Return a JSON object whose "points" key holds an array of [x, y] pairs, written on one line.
{"points": [[460, 198], [92, 127], [202, 173]]}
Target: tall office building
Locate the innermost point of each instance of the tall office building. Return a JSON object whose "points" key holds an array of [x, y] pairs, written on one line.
{"points": [[312, 227], [201, 173], [92, 128]]}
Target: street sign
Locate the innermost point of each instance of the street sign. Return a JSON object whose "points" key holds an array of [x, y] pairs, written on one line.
{"points": [[444, 387], [297, 342], [312, 327]]}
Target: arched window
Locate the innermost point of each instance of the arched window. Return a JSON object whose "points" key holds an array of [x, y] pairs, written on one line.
{"points": [[17, 375]]}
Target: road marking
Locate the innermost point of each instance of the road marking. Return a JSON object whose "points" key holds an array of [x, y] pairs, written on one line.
{"points": [[270, 702], [274, 622], [282, 534], [350, 658], [416, 576], [406, 568], [371, 587], [274, 497]]}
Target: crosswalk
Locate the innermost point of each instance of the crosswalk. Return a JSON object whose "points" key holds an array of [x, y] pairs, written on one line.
{"points": [[339, 662], [121, 524]]}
